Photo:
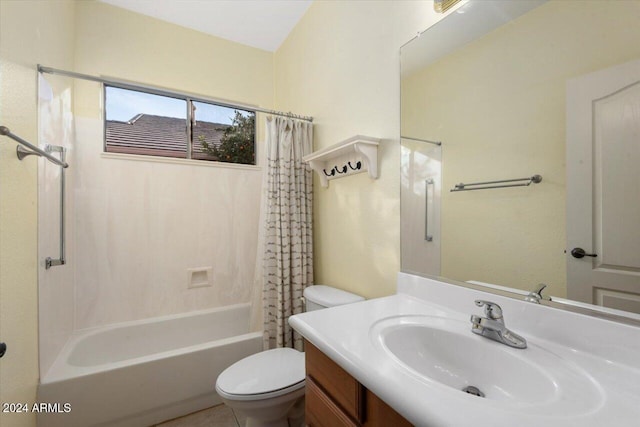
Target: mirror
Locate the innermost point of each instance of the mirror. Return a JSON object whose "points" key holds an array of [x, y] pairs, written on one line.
{"points": [[513, 90]]}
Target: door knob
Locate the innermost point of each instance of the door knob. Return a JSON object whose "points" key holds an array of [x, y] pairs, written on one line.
{"points": [[580, 253]]}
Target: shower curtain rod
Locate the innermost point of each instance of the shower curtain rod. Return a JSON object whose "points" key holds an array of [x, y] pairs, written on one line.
{"points": [[125, 85]]}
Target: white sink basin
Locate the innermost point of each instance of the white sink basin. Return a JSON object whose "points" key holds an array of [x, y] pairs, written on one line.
{"points": [[444, 351]]}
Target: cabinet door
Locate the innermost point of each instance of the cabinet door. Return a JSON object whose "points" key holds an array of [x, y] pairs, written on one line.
{"points": [[347, 393], [321, 411], [379, 414], [335, 399]]}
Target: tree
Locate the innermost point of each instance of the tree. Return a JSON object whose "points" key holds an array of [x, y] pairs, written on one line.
{"points": [[237, 144]]}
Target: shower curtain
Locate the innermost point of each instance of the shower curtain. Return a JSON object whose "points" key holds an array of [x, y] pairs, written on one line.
{"points": [[288, 238]]}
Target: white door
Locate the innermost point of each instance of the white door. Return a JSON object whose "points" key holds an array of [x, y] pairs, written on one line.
{"points": [[603, 187]]}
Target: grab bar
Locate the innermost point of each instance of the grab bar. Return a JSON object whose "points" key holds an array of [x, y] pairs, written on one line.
{"points": [[428, 237], [49, 262], [22, 153], [535, 179]]}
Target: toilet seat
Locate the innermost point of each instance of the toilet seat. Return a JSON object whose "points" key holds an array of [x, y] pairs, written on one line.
{"points": [[264, 375]]}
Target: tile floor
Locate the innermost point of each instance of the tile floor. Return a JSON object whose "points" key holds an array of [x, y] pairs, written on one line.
{"points": [[217, 416]]}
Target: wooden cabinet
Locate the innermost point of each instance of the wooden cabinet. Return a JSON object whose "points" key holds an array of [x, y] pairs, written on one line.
{"points": [[335, 399]]}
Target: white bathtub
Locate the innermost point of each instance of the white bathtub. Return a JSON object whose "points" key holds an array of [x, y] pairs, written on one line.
{"points": [[144, 372]]}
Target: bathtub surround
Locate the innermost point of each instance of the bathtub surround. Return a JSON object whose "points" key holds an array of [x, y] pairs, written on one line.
{"points": [[142, 226], [148, 222], [288, 246]]}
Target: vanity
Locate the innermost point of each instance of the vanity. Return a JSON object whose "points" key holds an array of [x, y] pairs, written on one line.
{"points": [[528, 102], [412, 359]]}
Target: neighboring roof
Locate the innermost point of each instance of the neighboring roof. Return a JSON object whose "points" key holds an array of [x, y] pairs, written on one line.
{"points": [[160, 136]]}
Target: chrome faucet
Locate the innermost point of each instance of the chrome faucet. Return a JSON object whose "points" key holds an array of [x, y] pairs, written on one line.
{"points": [[536, 295], [493, 327]]}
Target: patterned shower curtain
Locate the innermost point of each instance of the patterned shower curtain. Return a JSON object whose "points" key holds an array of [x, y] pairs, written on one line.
{"points": [[288, 239]]}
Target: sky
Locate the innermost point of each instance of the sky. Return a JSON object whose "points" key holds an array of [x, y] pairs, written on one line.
{"points": [[123, 105]]}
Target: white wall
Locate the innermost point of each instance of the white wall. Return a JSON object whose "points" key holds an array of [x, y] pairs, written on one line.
{"points": [[341, 65]]}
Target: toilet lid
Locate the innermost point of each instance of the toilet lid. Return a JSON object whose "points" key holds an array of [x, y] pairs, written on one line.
{"points": [[327, 296], [264, 372]]}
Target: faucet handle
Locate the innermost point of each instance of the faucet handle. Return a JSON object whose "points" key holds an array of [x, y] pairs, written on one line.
{"points": [[540, 288], [492, 310], [536, 295]]}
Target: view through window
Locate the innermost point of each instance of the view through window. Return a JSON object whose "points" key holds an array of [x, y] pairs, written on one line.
{"points": [[145, 123]]}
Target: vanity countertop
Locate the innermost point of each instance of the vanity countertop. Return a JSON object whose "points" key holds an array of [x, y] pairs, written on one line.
{"points": [[602, 359]]}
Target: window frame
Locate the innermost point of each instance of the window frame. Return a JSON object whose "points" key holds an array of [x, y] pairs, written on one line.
{"points": [[189, 99]]}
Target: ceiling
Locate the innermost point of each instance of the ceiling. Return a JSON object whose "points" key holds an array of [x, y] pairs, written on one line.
{"points": [[263, 24]]}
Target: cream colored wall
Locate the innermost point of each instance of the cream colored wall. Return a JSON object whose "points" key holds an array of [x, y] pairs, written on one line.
{"points": [[341, 66], [140, 224], [31, 32], [499, 106], [117, 43]]}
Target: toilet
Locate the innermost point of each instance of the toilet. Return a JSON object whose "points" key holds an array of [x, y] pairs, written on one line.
{"points": [[268, 387]]}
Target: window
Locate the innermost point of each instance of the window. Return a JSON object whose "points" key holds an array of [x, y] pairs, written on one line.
{"points": [[171, 125]]}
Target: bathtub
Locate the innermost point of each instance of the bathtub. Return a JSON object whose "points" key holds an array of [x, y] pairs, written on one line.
{"points": [[144, 372]]}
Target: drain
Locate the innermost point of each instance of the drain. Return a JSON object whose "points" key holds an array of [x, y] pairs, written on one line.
{"points": [[473, 390]]}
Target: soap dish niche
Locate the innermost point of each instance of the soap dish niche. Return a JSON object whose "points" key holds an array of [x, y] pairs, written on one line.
{"points": [[199, 277]]}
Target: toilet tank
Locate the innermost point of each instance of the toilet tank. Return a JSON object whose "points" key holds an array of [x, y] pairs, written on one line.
{"points": [[321, 296]]}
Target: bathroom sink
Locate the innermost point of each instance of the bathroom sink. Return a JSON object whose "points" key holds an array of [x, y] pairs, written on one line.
{"points": [[444, 351]]}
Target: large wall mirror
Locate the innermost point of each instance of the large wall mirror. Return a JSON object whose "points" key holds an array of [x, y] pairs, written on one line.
{"points": [[536, 105]]}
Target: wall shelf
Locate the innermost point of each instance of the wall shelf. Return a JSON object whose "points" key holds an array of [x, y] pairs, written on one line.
{"points": [[355, 155]]}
